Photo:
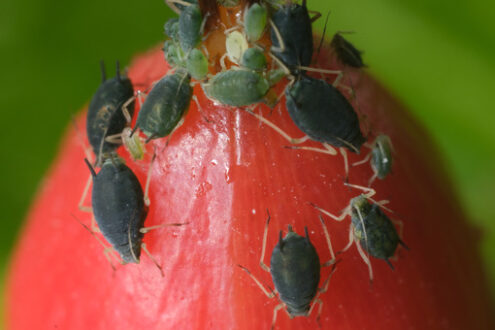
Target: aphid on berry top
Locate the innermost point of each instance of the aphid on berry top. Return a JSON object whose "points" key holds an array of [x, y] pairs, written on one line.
{"points": [[255, 19], [106, 112], [295, 271], [381, 157], [190, 27], [254, 59], [346, 52], [292, 35], [237, 87], [118, 205], [165, 105], [372, 230]]}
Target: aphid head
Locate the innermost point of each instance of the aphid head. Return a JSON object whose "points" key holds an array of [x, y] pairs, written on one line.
{"points": [[361, 204]]}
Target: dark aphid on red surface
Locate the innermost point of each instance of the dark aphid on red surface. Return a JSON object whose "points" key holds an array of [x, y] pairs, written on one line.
{"points": [[295, 270], [165, 105], [372, 230], [346, 52], [291, 34], [323, 113], [380, 158], [106, 114]]}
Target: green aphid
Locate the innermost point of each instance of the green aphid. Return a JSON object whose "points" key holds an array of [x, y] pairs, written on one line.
{"points": [[173, 54], [165, 105], [237, 87], [171, 29], [255, 19], [197, 64], [254, 59], [381, 156], [190, 21]]}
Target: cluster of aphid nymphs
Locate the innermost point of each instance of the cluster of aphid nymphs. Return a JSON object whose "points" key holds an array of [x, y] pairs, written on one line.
{"points": [[237, 60]]}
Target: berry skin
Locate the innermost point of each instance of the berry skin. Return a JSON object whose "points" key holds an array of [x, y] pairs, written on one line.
{"points": [[220, 176]]}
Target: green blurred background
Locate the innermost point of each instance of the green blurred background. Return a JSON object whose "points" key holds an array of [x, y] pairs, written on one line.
{"points": [[437, 56]]}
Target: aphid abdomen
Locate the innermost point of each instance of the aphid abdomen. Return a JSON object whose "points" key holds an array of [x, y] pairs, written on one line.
{"points": [[118, 207], [294, 25], [381, 236], [237, 87], [346, 52], [295, 270], [165, 105], [323, 113], [105, 115]]}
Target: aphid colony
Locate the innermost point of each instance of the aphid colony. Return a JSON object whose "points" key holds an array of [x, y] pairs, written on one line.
{"points": [[270, 41]]}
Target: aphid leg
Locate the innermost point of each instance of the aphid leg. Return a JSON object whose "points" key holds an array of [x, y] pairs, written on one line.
{"points": [[144, 230], [369, 192], [81, 205], [222, 62], [148, 180], [171, 4], [281, 44], [195, 99], [270, 294], [329, 243], [115, 138], [145, 249], [275, 311], [346, 163], [331, 152], [341, 217], [316, 14], [106, 249], [263, 249], [179, 124], [321, 290], [279, 130], [351, 240], [363, 161], [372, 179]]}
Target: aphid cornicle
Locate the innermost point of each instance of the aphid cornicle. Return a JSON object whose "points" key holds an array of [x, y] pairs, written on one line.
{"points": [[295, 271], [165, 105], [371, 229], [346, 52], [237, 87], [292, 37], [118, 207], [105, 114], [323, 113]]}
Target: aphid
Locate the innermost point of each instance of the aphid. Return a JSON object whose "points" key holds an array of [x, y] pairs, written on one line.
{"points": [[254, 59], [165, 105], [171, 28], [237, 87], [197, 64], [346, 52], [381, 158], [235, 46], [291, 34], [295, 270], [370, 227], [255, 19], [190, 26], [106, 112], [323, 113]]}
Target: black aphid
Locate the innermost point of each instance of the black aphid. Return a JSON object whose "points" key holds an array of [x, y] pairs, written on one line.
{"points": [[372, 230], [295, 270], [292, 35], [346, 52], [323, 113], [118, 207], [105, 114]]}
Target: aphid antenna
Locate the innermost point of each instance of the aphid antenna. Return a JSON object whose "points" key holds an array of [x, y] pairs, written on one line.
{"points": [[145, 230], [322, 37], [103, 71], [321, 290], [341, 217], [171, 4], [263, 249], [369, 192], [129, 240], [364, 256], [151, 137], [148, 179], [81, 206], [281, 44], [329, 243]]}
